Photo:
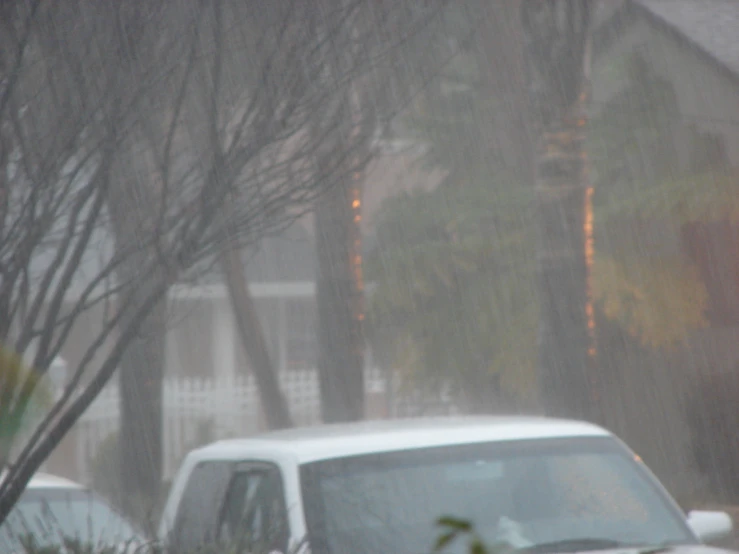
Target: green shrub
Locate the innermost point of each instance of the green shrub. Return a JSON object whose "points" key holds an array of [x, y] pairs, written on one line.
{"points": [[31, 545]]}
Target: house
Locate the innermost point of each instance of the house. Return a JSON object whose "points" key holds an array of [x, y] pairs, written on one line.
{"points": [[203, 341], [692, 44], [694, 47], [280, 270], [281, 273], [206, 370]]}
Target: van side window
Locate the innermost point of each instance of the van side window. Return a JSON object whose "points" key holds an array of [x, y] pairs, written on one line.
{"points": [[254, 516], [240, 492], [196, 520]]}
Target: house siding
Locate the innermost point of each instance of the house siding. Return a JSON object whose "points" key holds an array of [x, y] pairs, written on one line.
{"points": [[706, 96], [648, 406]]}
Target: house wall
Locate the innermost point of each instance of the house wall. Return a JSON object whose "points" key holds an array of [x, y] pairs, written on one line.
{"points": [[84, 332], [201, 323], [203, 340], [648, 406], [706, 97], [190, 338], [203, 346]]}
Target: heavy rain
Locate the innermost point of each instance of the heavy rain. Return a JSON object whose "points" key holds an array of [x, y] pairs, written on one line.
{"points": [[369, 276]]}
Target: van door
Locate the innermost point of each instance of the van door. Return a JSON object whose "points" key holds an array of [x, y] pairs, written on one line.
{"points": [[253, 517], [195, 523]]}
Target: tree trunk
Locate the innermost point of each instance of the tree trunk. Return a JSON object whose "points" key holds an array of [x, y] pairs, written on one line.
{"points": [[339, 297], [251, 335], [565, 340], [141, 376], [499, 47], [141, 370], [557, 37]]}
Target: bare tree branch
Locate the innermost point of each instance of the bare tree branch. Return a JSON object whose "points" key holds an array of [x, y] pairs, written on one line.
{"points": [[159, 113]]}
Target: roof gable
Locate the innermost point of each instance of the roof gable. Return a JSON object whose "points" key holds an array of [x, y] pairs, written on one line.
{"points": [[708, 27]]}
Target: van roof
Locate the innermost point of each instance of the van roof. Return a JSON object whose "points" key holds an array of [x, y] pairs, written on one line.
{"points": [[48, 481], [42, 480], [309, 444]]}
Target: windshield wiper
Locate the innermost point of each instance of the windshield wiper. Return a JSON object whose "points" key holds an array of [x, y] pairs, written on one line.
{"points": [[572, 545]]}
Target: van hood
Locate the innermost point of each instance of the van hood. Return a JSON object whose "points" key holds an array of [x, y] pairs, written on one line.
{"points": [[677, 549]]}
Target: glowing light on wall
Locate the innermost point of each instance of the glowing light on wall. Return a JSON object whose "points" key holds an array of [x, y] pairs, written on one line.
{"points": [[589, 252], [355, 255]]}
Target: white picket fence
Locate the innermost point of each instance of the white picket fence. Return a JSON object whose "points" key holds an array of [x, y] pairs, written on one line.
{"points": [[231, 408]]}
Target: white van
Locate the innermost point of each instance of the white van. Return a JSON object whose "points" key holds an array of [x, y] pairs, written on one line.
{"points": [[539, 484]]}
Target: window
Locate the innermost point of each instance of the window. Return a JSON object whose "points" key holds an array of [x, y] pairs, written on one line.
{"points": [[196, 519], [253, 516], [190, 338], [528, 492], [302, 342], [240, 491], [589, 487], [267, 311]]}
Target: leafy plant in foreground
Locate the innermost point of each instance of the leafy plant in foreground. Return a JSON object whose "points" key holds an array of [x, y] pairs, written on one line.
{"points": [[454, 528]]}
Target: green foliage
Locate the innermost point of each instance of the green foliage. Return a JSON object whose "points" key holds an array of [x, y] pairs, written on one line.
{"points": [[655, 299], [646, 283], [710, 196], [455, 268], [454, 528], [70, 545], [455, 126], [457, 116], [454, 277], [14, 374], [237, 547]]}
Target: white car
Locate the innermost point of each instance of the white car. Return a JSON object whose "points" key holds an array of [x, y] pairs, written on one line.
{"points": [[541, 485], [53, 510]]}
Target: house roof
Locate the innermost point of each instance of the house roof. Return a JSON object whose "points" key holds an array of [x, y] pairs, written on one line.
{"points": [[709, 26]]}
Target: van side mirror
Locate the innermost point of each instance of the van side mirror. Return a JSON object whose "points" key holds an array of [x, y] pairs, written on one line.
{"points": [[710, 526]]}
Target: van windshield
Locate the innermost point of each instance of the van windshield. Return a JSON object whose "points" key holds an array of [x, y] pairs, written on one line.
{"points": [[573, 494], [51, 516]]}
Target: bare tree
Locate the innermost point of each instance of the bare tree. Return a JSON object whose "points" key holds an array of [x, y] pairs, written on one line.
{"points": [[133, 203], [126, 130]]}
